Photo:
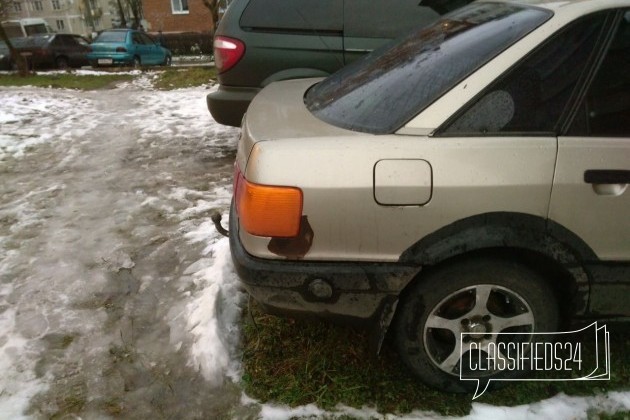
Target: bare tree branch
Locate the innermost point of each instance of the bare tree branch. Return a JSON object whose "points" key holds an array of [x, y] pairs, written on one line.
{"points": [[213, 6]]}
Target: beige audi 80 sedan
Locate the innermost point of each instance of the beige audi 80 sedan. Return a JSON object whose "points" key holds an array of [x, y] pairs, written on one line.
{"points": [[469, 180]]}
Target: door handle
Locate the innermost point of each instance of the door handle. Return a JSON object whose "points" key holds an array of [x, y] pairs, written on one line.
{"points": [[608, 181], [607, 176]]}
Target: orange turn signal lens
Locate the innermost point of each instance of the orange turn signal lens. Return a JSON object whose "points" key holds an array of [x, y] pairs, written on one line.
{"points": [[266, 210]]}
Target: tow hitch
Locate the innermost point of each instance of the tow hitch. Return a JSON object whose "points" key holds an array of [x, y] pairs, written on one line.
{"points": [[216, 219]]}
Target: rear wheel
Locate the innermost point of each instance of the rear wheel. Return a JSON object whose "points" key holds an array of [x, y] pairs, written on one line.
{"points": [[62, 63], [448, 323], [167, 61], [136, 62]]}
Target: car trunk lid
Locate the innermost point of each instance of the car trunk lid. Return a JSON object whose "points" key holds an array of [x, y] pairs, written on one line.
{"points": [[278, 112]]}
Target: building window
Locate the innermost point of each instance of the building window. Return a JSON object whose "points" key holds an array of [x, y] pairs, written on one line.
{"points": [[60, 25], [37, 5], [179, 6], [56, 5], [17, 6]]}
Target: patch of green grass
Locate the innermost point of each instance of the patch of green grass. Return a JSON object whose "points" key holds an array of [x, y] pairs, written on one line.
{"points": [[65, 80], [178, 78], [622, 415], [298, 362]]}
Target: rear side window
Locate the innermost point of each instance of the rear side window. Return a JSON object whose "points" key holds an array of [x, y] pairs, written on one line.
{"points": [[146, 39], [390, 86], [81, 41], [532, 97], [59, 41], [302, 16]]}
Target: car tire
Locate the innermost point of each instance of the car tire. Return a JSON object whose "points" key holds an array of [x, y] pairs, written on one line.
{"points": [[167, 61], [436, 311], [62, 63], [136, 63]]}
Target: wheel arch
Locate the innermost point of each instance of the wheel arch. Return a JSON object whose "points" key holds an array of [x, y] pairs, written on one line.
{"points": [[540, 244], [473, 299]]}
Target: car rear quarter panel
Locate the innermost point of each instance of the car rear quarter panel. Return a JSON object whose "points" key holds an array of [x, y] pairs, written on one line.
{"points": [[469, 177]]}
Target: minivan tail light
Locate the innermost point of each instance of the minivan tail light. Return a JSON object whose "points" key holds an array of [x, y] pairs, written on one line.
{"points": [[227, 52], [121, 49], [266, 210]]}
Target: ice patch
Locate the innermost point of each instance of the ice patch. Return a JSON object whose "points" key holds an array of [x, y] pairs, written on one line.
{"points": [[19, 383], [118, 260], [24, 112], [213, 317]]}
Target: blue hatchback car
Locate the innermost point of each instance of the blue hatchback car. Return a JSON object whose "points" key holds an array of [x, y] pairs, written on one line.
{"points": [[127, 47]]}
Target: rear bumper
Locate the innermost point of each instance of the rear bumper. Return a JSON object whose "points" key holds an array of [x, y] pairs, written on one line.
{"points": [[117, 59], [228, 104], [358, 293]]}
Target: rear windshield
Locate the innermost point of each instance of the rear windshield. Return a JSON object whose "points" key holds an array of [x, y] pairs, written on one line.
{"points": [[111, 37], [38, 28], [386, 89]]}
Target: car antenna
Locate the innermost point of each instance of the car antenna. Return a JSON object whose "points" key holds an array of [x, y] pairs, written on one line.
{"points": [[312, 29]]}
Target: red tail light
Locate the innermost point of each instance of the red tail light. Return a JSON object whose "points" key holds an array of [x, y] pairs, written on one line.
{"points": [[227, 52], [121, 49], [89, 49]]}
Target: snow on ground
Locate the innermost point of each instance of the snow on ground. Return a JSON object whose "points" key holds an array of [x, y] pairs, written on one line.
{"points": [[112, 280], [46, 118], [118, 298], [559, 407]]}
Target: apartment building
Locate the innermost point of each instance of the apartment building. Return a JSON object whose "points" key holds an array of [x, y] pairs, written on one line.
{"points": [[67, 16]]}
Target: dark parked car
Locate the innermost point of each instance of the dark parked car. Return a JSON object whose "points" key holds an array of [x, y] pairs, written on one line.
{"points": [[127, 47], [264, 41], [53, 50]]}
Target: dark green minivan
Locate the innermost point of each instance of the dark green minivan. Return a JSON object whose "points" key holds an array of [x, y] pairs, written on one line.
{"points": [[263, 41]]}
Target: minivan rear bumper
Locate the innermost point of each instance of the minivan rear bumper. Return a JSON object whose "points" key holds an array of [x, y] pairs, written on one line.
{"points": [[228, 104], [350, 292]]}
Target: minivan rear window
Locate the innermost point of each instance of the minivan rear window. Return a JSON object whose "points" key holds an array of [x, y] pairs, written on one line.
{"points": [[380, 93]]}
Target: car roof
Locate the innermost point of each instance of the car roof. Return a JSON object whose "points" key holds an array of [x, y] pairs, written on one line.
{"points": [[573, 6]]}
